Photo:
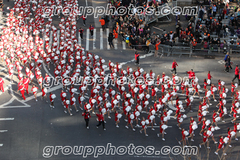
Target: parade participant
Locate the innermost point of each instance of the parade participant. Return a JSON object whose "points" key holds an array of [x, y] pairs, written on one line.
{"points": [[174, 67], [205, 139], [44, 93], [220, 146], [144, 126], [87, 116], [1, 84], [34, 90], [100, 120]]}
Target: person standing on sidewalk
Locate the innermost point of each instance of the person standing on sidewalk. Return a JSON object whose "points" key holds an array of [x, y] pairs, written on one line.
{"points": [[110, 40], [174, 67], [102, 21], [156, 48], [100, 120], [86, 115], [81, 32], [91, 28], [236, 74], [137, 57]]}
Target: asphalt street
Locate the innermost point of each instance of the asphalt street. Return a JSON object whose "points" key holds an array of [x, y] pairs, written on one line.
{"points": [[31, 130]]}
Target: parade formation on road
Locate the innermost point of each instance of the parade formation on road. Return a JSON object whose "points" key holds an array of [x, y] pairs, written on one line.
{"points": [[68, 99]]}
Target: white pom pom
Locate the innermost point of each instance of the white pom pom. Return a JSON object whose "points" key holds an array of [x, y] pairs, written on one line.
{"points": [[184, 116], [93, 101], [128, 108], [119, 116], [152, 117], [181, 120], [226, 140], [153, 112], [164, 127], [139, 108], [143, 123], [209, 133], [137, 113], [208, 81], [132, 116], [222, 83], [53, 96], [236, 85], [194, 127], [113, 92], [147, 122], [147, 96], [146, 102], [217, 119], [212, 129], [233, 133], [186, 133], [103, 110]]}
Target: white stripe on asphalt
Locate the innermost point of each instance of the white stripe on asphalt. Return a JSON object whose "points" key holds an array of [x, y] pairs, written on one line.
{"points": [[124, 45], [1, 131], [115, 43], [108, 47], [1, 145], [94, 39], [79, 39], [6, 119], [87, 40], [101, 38]]}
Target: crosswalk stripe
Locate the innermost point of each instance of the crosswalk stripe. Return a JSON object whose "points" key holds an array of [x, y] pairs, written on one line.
{"points": [[101, 39], [115, 43], [94, 39], [87, 41], [79, 39], [108, 47], [124, 45]]}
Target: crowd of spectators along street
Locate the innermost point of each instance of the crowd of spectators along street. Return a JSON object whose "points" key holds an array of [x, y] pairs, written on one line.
{"points": [[132, 28], [138, 34]]}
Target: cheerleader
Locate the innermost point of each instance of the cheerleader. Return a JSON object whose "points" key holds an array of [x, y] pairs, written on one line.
{"points": [[214, 116], [154, 94], [191, 131], [179, 120], [196, 87], [80, 100], [44, 93], [73, 103], [205, 84], [51, 97], [117, 118], [66, 106], [209, 77], [232, 89], [220, 146], [144, 127], [162, 131], [34, 90], [130, 120], [210, 130], [183, 137], [235, 130], [203, 126], [205, 139]]}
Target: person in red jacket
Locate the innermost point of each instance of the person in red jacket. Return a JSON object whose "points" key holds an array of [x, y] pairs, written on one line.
{"points": [[205, 139], [84, 20], [209, 76], [102, 21], [100, 120], [156, 48], [26, 82], [174, 66], [236, 74], [86, 115], [137, 57], [191, 75]]}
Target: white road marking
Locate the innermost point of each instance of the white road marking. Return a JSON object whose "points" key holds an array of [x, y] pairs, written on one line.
{"points": [[115, 43], [87, 41], [108, 46], [94, 39], [86, 2], [6, 119], [1, 131], [221, 62], [101, 39], [1, 145], [79, 39], [124, 45]]}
